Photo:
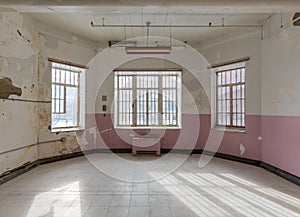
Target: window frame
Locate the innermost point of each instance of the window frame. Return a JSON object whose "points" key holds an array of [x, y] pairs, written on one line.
{"points": [[229, 68], [155, 72], [72, 68]]}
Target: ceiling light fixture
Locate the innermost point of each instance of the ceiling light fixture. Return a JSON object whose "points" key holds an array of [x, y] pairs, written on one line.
{"points": [[148, 50]]}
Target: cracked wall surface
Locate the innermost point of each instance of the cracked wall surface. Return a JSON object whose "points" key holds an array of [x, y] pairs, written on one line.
{"points": [[25, 75]]}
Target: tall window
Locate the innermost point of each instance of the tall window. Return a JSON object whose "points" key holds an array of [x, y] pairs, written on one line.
{"points": [[65, 96], [231, 95], [147, 98]]}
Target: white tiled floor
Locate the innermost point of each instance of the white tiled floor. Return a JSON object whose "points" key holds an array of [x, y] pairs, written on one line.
{"points": [[76, 188]]}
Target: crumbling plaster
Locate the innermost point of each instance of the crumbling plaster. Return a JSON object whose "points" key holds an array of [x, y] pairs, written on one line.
{"points": [[25, 46]]}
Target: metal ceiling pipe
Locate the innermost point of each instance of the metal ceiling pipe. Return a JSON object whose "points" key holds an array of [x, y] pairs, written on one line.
{"points": [[173, 26]]}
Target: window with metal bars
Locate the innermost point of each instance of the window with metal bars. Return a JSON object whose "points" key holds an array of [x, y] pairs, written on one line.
{"points": [[65, 96], [230, 97], [147, 98]]}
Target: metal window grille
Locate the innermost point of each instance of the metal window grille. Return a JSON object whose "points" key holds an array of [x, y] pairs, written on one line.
{"points": [[65, 95], [231, 97], [147, 98]]}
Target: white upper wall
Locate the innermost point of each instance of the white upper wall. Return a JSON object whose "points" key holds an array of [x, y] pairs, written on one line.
{"points": [[249, 46], [194, 99], [281, 69]]}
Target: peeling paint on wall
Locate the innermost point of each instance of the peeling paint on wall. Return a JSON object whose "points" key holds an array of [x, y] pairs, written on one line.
{"points": [[287, 89], [242, 149], [81, 138], [37, 42], [7, 88], [19, 67], [276, 103], [5, 62], [11, 43]]}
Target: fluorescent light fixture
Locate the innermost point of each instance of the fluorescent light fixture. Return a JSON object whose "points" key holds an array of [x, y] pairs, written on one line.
{"points": [[148, 50]]}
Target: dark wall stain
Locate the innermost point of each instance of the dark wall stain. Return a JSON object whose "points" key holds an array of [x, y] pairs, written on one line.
{"points": [[7, 88]]}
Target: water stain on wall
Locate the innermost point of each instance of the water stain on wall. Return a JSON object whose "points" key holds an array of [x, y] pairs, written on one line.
{"points": [[7, 88], [276, 103], [287, 89]]}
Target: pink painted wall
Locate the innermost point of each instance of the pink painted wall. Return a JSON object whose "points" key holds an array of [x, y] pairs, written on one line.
{"points": [[230, 143], [232, 140], [281, 142]]}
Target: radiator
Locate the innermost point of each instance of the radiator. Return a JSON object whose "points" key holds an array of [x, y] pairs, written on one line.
{"points": [[146, 144]]}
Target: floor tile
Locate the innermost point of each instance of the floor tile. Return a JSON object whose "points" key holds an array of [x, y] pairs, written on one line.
{"points": [[75, 187]]}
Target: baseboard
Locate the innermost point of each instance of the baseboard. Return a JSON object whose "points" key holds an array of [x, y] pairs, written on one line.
{"points": [[5, 177], [11, 174], [60, 157], [233, 158], [286, 175]]}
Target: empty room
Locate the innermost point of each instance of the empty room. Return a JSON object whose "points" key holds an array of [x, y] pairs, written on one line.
{"points": [[149, 108]]}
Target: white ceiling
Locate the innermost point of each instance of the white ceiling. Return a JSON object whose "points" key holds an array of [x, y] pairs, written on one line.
{"points": [[75, 16], [79, 24], [154, 6]]}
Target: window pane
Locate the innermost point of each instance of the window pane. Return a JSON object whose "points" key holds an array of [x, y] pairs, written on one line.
{"points": [[233, 76], [223, 77], [141, 119], [219, 78], [220, 92], [239, 106], [153, 119], [68, 77], [239, 120], [238, 75], [227, 106], [147, 97], [65, 105], [234, 105], [228, 78], [76, 78], [231, 97], [62, 76], [243, 91], [166, 119], [57, 76], [227, 119], [227, 93], [238, 89], [243, 106], [243, 75], [62, 92], [234, 119], [243, 120], [219, 106], [234, 92]]}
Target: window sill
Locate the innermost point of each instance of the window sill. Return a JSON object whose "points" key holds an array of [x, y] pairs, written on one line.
{"points": [[230, 130], [147, 128], [71, 129]]}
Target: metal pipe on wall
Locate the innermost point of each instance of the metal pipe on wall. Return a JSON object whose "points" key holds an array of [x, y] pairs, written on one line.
{"points": [[63, 139]]}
